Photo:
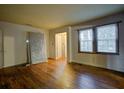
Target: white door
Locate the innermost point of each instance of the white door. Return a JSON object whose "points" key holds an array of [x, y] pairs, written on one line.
{"points": [[1, 50], [14, 48], [9, 49]]}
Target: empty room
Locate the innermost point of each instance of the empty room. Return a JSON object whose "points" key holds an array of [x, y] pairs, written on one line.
{"points": [[61, 46]]}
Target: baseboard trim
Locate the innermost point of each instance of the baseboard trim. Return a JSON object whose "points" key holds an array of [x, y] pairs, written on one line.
{"points": [[18, 65], [106, 69]]}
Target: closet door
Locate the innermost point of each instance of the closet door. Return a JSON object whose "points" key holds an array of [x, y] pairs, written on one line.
{"points": [[1, 49], [14, 48]]}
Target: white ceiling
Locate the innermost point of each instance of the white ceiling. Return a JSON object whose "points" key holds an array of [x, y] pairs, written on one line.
{"points": [[53, 16]]}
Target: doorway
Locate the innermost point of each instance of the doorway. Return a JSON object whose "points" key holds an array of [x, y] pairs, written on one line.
{"points": [[61, 45]]}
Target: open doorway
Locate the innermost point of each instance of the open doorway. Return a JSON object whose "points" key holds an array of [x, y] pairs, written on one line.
{"points": [[61, 45]]}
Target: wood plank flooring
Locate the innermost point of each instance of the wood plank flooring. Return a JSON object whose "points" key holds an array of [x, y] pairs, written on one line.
{"points": [[57, 74]]}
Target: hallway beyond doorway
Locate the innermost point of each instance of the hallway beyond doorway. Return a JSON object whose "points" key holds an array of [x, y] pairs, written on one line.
{"points": [[61, 45]]}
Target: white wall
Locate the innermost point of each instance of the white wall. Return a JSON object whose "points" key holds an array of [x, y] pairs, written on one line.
{"points": [[14, 42], [115, 62]]}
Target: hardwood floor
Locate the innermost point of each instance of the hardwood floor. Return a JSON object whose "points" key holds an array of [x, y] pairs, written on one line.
{"points": [[59, 74]]}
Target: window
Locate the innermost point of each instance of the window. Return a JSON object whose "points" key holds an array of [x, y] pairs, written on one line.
{"points": [[86, 40], [99, 39], [106, 38]]}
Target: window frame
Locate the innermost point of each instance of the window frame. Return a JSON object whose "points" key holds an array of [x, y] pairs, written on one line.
{"points": [[80, 41], [95, 51]]}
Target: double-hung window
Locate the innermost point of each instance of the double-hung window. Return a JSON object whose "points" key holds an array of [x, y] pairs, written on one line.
{"points": [[86, 40], [107, 38], [99, 39]]}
